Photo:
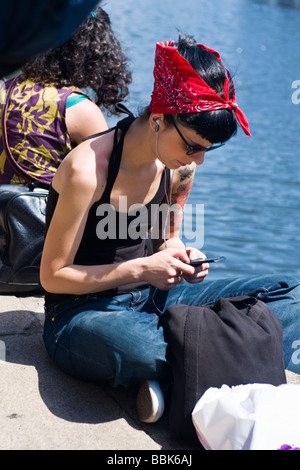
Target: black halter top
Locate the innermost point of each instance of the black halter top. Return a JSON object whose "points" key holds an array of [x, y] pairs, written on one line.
{"points": [[111, 236]]}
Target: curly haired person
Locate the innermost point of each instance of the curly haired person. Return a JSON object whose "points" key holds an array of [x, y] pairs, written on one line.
{"points": [[49, 111]]}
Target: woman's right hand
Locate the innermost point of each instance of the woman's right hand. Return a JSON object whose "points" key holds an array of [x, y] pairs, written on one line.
{"points": [[166, 268]]}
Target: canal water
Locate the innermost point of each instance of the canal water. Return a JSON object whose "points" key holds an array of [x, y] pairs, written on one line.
{"points": [[250, 188]]}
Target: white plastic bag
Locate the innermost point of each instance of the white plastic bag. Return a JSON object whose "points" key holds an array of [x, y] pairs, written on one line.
{"points": [[249, 417]]}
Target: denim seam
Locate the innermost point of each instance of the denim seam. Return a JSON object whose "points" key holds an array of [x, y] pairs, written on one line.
{"points": [[134, 302]]}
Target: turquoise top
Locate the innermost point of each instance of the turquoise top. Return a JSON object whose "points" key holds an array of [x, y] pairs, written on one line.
{"points": [[74, 99]]}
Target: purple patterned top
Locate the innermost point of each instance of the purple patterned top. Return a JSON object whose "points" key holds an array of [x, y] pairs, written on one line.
{"points": [[36, 130]]}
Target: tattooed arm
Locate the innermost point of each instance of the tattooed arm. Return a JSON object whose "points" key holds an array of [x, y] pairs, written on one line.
{"points": [[169, 230], [170, 233]]}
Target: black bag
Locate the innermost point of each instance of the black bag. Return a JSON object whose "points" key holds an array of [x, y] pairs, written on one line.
{"points": [[22, 225], [234, 341], [22, 230]]}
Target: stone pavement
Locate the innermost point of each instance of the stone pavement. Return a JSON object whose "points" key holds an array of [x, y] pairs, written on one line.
{"points": [[41, 408]]}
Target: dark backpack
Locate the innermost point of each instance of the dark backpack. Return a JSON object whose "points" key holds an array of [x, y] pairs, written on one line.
{"points": [[234, 341]]}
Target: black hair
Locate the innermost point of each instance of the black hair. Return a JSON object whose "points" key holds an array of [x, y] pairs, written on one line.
{"points": [[218, 125], [92, 57]]}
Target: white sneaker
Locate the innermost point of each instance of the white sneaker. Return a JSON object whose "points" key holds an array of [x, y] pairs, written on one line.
{"points": [[150, 402]]}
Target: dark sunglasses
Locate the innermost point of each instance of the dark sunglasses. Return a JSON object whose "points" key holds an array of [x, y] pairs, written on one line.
{"points": [[199, 148]]}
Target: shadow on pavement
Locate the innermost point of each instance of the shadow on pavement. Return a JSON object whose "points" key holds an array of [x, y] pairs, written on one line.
{"points": [[66, 397]]}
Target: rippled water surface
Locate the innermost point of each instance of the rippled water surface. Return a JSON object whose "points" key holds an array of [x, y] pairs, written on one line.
{"points": [[250, 188]]}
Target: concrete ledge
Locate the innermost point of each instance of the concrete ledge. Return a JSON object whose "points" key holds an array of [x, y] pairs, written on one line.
{"points": [[42, 408]]}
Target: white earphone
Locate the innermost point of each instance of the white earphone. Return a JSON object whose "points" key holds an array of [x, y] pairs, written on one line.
{"points": [[156, 125]]}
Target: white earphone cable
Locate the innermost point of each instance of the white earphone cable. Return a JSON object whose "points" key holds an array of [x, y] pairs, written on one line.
{"points": [[169, 200]]}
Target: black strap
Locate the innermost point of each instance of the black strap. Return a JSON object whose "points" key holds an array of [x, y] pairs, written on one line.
{"points": [[121, 108], [15, 166], [116, 155], [99, 133]]}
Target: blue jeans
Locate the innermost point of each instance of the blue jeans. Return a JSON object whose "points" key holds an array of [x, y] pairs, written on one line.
{"points": [[119, 339]]}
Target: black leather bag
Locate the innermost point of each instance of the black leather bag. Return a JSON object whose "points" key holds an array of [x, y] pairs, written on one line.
{"points": [[22, 230], [22, 224], [234, 341]]}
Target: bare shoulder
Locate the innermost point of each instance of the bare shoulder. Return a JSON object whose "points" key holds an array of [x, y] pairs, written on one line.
{"points": [[83, 119], [84, 169]]}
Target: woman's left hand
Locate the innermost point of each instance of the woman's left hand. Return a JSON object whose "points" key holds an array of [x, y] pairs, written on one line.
{"points": [[200, 271]]}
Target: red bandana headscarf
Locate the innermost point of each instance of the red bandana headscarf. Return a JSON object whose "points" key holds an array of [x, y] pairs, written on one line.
{"points": [[178, 88]]}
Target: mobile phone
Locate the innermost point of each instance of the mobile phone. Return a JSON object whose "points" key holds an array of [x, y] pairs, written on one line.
{"points": [[199, 261]]}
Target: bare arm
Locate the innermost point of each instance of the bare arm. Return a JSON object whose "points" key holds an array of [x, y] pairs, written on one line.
{"points": [[170, 230], [183, 181], [79, 186]]}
